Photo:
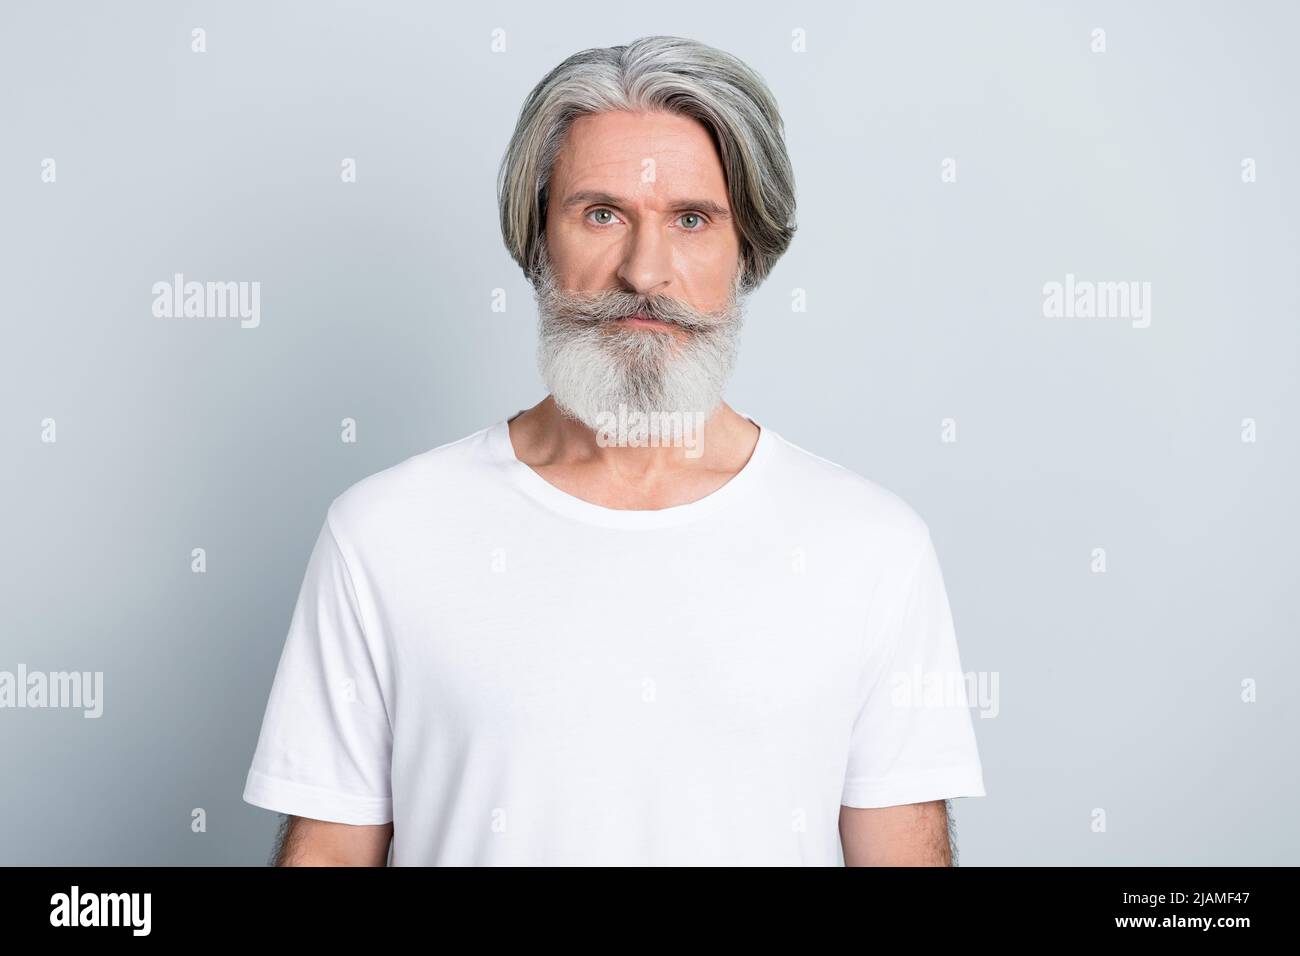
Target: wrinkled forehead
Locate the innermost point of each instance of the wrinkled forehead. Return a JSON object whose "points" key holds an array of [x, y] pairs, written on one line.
{"points": [[648, 157]]}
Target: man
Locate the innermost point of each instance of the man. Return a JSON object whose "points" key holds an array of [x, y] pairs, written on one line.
{"points": [[629, 625]]}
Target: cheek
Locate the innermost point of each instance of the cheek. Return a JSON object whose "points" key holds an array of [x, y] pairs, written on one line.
{"points": [[708, 275], [579, 256]]}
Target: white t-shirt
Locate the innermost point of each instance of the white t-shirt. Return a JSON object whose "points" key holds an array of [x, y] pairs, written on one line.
{"points": [[515, 676]]}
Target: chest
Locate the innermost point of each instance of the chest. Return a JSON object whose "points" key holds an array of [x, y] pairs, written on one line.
{"points": [[752, 642]]}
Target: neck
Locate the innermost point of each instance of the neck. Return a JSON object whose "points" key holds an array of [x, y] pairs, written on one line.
{"points": [[544, 438]]}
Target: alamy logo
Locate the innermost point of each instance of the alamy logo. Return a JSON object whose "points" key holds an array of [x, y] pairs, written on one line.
{"points": [[1084, 299], [208, 300], [921, 690], [651, 429], [70, 689], [102, 909]]}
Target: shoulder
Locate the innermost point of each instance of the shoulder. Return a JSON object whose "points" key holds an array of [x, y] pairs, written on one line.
{"points": [[440, 477], [854, 502]]}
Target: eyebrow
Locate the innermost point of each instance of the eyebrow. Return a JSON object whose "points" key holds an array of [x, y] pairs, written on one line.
{"points": [[707, 206]]}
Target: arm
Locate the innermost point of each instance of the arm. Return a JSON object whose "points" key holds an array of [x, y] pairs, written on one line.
{"points": [[914, 834], [306, 842]]}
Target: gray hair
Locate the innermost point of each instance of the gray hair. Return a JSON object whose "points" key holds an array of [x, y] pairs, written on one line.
{"points": [[657, 73]]}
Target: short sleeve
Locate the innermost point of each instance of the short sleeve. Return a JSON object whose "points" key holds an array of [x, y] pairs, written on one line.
{"points": [[913, 740], [325, 746]]}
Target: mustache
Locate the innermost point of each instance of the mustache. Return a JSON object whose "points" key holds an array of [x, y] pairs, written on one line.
{"points": [[596, 307]]}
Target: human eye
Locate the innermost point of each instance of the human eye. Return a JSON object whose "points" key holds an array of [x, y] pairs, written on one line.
{"points": [[696, 216], [605, 211]]}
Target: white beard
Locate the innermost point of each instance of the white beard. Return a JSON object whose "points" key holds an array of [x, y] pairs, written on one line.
{"points": [[594, 367]]}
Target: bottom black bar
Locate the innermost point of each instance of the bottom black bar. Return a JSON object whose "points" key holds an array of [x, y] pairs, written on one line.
{"points": [[923, 905]]}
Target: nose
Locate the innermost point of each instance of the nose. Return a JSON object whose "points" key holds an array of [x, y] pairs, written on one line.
{"points": [[647, 262]]}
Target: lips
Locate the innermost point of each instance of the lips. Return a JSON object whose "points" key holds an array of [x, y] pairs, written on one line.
{"points": [[642, 320]]}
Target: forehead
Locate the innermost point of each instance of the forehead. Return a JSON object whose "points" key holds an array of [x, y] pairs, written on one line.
{"points": [[611, 150]]}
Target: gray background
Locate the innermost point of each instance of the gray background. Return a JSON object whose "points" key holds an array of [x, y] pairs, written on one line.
{"points": [[1118, 691]]}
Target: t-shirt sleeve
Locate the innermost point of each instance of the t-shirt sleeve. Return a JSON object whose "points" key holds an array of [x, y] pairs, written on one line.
{"points": [[325, 746], [913, 740]]}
